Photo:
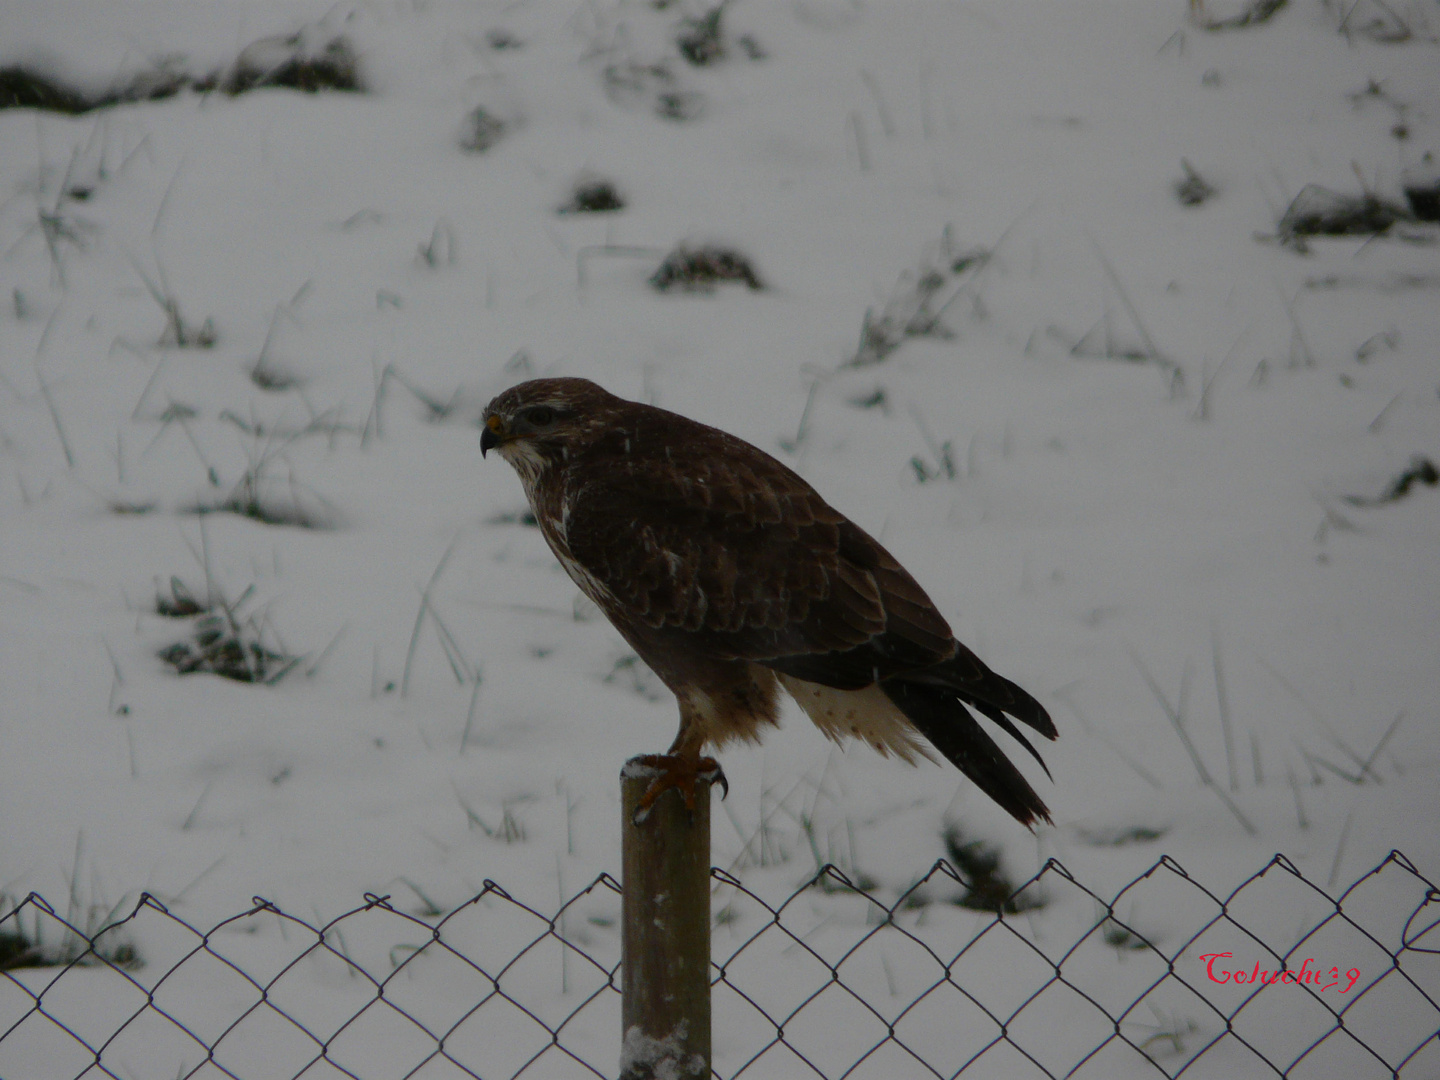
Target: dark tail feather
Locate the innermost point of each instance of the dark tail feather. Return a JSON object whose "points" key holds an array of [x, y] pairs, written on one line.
{"points": [[937, 712], [1003, 722]]}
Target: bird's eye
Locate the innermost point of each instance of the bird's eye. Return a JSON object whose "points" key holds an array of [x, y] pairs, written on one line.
{"points": [[540, 415]]}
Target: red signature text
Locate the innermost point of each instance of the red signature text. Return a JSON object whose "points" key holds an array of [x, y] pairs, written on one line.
{"points": [[1319, 978]]}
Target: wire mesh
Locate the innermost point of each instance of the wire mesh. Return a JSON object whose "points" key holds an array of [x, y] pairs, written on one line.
{"points": [[1166, 978]]}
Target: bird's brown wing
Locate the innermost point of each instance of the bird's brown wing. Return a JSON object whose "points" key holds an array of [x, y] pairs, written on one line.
{"points": [[729, 549], [734, 556]]}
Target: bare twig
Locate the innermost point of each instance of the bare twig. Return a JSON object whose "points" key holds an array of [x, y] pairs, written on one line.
{"points": [[1223, 700], [470, 717], [1298, 335], [1379, 421], [887, 124], [1340, 850], [325, 652], [55, 417], [1300, 817], [1381, 744]]}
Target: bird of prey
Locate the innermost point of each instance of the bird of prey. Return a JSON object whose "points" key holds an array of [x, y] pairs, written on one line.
{"points": [[732, 578]]}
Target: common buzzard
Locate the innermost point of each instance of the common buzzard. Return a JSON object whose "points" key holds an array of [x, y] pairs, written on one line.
{"points": [[731, 578]]}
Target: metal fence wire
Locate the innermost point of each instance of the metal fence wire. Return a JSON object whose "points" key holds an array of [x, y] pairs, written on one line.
{"points": [[1164, 979]]}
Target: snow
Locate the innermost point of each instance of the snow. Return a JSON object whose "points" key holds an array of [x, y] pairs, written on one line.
{"points": [[460, 714], [662, 1058]]}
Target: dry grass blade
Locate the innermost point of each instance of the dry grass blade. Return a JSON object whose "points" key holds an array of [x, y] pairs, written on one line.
{"points": [[1151, 349], [1223, 699], [420, 615], [1319, 719], [1177, 721]]}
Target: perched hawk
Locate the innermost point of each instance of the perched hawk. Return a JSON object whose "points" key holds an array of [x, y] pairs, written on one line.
{"points": [[731, 577]]}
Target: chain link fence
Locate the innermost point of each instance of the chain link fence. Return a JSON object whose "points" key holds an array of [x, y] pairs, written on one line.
{"points": [[1163, 979]]}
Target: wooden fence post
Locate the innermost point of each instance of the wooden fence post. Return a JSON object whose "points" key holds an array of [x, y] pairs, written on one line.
{"points": [[665, 957]]}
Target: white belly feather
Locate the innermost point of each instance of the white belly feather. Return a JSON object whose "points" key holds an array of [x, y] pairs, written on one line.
{"points": [[865, 714]]}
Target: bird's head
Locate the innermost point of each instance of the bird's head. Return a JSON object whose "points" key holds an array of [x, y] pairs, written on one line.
{"points": [[535, 424]]}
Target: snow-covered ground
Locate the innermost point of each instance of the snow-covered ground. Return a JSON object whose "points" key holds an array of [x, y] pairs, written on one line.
{"points": [[1146, 443]]}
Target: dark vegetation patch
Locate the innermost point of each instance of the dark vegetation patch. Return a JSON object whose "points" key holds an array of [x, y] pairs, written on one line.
{"points": [[270, 502], [297, 62], [876, 399], [1252, 14], [989, 888], [1122, 939], [15, 949], [270, 499], [702, 269], [439, 250], [1421, 185], [1421, 470], [123, 508], [1424, 201], [514, 517], [1192, 189], [918, 303], [100, 942], [24, 87], [593, 195], [630, 82], [681, 105], [221, 642], [943, 467], [181, 603], [1382, 22], [702, 40], [273, 378], [502, 40], [178, 333], [482, 130], [1318, 211], [1123, 837]]}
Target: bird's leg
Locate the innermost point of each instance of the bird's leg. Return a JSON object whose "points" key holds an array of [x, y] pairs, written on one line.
{"points": [[681, 772]]}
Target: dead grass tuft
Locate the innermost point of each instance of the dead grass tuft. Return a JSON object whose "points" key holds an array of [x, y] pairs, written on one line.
{"points": [[989, 887], [919, 300], [1421, 470], [630, 82], [299, 61], [593, 195], [25, 88], [1255, 13], [1318, 211], [702, 269], [1192, 189], [1421, 185], [482, 130], [702, 40], [222, 642]]}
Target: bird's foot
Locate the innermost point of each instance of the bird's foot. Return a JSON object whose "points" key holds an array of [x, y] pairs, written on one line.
{"points": [[680, 773]]}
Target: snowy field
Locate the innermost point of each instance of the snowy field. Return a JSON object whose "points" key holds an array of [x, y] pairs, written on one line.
{"points": [[1040, 311]]}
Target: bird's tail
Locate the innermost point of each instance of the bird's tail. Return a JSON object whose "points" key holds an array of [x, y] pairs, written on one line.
{"points": [[935, 700]]}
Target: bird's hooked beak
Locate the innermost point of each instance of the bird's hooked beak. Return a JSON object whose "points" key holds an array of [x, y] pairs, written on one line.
{"points": [[493, 435]]}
